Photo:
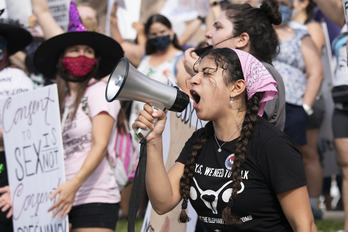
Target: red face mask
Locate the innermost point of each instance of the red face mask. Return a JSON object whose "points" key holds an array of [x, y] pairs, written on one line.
{"points": [[79, 66]]}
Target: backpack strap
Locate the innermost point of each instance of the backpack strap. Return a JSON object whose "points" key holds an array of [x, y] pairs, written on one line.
{"points": [[339, 41]]}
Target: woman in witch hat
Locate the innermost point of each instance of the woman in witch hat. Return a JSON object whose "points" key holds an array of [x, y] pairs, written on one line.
{"points": [[13, 38], [78, 59]]}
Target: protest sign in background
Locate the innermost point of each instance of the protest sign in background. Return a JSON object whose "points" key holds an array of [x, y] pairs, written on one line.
{"points": [[34, 156], [17, 10], [183, 10], [60, 12]]}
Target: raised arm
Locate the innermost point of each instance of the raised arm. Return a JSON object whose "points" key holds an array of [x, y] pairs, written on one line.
{"points": [[48, 24], [134, 52], [182, 76], [333, 9], [191, 29], [162, 187]]}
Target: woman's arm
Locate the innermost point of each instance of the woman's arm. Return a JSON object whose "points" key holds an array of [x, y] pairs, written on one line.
{"points": [[191, 29], [48, 24], [297, 209], [317, 35], [133, 51], [333, 9], [102, 125], [314, 70], [189, 59], [182, 76], [163, 188]]}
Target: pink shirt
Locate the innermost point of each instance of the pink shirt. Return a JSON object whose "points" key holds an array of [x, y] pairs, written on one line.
{"points": [[101, 186]]}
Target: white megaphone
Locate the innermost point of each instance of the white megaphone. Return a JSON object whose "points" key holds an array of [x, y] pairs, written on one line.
{"points": [[127, 83]]}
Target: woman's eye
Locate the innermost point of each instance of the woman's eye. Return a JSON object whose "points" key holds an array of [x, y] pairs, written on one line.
{"points": [[206, 74], [217, 26]]}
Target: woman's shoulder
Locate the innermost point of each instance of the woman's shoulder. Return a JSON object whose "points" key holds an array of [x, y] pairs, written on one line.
{"points": [[300, 33], [96, 85], [96, 89]]}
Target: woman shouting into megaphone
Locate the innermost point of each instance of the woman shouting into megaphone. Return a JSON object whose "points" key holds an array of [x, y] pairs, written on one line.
{"points": [[239, 172]]}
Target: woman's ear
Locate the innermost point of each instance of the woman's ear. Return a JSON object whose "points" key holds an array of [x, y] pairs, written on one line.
{"points": [[237, 88], [172, 33], [243, 41]]}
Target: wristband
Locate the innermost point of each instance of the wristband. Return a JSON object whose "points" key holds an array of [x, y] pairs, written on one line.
{"points": [[202, 19], [307, 109]]}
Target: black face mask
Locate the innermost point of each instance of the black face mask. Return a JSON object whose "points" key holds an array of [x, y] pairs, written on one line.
{"points": [[160, 42], [200, 51]]}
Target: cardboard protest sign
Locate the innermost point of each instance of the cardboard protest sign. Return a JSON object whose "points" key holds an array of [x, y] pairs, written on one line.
{"points": [[60, 12], [34, 156], [17, 10]]}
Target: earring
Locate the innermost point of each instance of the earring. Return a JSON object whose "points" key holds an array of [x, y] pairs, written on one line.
{"points": [[231, 100]]}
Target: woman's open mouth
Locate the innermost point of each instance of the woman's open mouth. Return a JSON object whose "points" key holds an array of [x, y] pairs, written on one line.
{"points": [[196, 98]]}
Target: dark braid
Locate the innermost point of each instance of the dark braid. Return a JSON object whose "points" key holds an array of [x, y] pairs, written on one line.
{"points": [[185, 181], [240, 153]]}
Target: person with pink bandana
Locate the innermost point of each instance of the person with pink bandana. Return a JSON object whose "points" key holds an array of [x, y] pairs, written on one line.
{"points": [[239, 172]]}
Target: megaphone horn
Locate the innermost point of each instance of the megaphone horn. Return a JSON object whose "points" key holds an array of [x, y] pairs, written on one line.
{"points": [[127, 83]]}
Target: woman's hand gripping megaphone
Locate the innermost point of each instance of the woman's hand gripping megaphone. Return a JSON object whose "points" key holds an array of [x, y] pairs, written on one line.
{"points": [[150, 123]]}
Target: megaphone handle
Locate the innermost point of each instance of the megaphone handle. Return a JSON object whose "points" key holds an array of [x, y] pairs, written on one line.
{"points": [[143, 133]]}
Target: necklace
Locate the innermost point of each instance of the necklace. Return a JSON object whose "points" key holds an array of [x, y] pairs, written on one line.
{"points": [[220, 146]]}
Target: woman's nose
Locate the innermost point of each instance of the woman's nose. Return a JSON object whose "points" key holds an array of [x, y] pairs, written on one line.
{"points": [[208, 34], [195, 80], [82, 52]]}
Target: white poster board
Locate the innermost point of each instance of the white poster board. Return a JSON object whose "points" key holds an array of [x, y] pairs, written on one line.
{"points": [[183, 10], [60, 12], [18, 10], [34, 157], [3, 6], [127, 13]]}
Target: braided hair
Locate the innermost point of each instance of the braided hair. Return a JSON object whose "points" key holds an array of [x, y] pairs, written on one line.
{"points": [[228, 60]]}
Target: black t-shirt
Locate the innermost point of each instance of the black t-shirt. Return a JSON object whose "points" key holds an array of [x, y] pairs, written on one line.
{"points": [[273, 165]]}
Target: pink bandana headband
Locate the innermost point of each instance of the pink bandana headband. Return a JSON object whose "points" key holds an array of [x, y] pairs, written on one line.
{"points": [[257, 79]]}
